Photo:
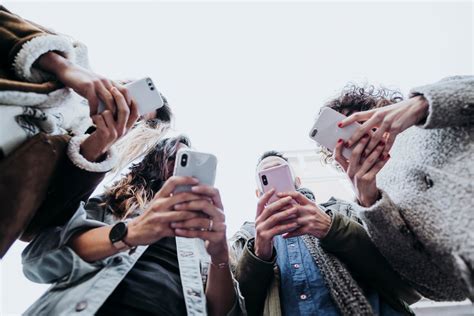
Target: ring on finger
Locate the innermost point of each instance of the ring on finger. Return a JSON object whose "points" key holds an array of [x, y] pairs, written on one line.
{"points": [[211, 224]]}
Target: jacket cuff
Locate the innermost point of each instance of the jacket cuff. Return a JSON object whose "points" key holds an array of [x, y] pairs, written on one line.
{"points": [[73, 152], [33, 49]]}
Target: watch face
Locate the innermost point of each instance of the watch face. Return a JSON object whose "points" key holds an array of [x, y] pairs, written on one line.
{"points": [[118, 232]]}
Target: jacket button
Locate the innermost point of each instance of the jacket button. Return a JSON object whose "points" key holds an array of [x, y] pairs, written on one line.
{"points": [[428, 181], [118, 260], [82, 305]]}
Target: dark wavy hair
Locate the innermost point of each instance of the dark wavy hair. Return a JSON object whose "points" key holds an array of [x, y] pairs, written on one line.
{"points": [[356, 98], [144, 179], [271, 153]]}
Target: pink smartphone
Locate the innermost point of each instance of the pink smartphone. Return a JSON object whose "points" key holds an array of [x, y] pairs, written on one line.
{"points": [[326, 132], [279, 178]]}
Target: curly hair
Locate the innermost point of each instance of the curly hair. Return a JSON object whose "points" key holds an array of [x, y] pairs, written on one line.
{"points": [[357, 98], [144, 179]]}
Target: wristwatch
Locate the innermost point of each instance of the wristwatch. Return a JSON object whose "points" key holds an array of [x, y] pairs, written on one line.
{"points": [[117, 235]]}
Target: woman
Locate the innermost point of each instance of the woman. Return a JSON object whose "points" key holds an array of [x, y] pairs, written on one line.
{"points": [[120, 254], [419, 214]]}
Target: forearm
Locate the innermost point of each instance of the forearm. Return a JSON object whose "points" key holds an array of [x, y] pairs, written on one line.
{"points": [[93, 244], [53, 63], [220, 291]]}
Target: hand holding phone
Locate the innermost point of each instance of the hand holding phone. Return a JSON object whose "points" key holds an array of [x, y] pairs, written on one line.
{"points": [[144, 93]]}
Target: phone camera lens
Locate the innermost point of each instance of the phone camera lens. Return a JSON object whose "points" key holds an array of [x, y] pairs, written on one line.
{"points": [[184, 160], [314, 132], [151, 88], [264, 180]]}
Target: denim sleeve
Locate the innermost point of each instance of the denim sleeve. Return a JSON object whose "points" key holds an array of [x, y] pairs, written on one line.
{"points": [[48, 258]]}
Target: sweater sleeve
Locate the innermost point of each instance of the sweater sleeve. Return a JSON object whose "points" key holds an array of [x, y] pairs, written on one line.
{"points": [[22, 43], [393, 237], [349, 241], [451, 102]]}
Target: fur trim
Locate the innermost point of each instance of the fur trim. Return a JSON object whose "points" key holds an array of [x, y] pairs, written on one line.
{"points": [[20, 98], [33, 49], [77, 159]]}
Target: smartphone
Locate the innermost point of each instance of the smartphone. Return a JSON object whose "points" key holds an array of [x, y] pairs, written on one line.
{"points": [[190, 163], [326, 132], [147, 97], [278, 178]]}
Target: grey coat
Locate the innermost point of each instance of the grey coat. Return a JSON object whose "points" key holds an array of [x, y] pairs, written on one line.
{"points": [[424, 222]]}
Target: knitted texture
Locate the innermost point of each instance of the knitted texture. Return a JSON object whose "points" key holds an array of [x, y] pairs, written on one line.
{"points": [[344, 290]]}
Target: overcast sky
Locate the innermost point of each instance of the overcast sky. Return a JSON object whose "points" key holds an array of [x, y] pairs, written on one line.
{"points": [[243, 78]]}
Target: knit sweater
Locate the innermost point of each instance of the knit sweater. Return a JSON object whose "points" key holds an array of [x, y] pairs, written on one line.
{"points": [[424, 223]]}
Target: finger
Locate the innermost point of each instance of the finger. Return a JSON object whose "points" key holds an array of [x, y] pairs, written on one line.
{"points": [[110, 122], [199, 224], [341, 160], [170, 185], [134, 115], [279, 217], [99, 122], [262, 202], [201, 205], [372, 173], [123, 111], [177, 199], [204, 235], [209, 191], [295, 233], [123, 90], [175, 216], [356, 117], [376, 138], [296, 196], [354, 159], [389, 143], [373, 158], [275, 207], [283, 228], [106, 97], [365, 128], [93, 101]]}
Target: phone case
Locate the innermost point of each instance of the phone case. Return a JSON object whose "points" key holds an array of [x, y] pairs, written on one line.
{"points": [[326, 132], [201, 166], [145, 94], [279, 178]]}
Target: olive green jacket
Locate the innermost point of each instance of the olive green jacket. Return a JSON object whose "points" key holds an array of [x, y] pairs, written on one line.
{"points": [[347, 239]]}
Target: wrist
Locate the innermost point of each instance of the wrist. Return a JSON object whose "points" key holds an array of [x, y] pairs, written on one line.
{"points": [[263, 250], [421, 107], [221, 257], [326, 220], [54, 63], [131, 239]]}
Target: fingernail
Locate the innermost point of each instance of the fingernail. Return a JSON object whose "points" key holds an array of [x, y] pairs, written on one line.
{"points": [[339, 124], [346, 144], [388, 157], [339, 141], [382, 144]]}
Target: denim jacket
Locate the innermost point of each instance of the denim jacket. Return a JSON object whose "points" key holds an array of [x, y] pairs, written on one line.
{"points": [[80, 287]]}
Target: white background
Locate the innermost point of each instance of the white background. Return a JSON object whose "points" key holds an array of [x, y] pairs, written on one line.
{"points": [[245, 77]]}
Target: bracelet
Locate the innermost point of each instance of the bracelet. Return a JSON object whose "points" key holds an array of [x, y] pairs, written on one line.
{"points": [[221, 265]]}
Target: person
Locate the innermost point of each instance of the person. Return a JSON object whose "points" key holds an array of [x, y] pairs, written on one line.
{"points": [[47, 92], [299, 258], [132, 251], [419, 215]]}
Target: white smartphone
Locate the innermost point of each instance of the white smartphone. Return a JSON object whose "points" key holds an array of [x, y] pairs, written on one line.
{"points": [[326, 132], [278, 178], [199, 165], [145, 94]]}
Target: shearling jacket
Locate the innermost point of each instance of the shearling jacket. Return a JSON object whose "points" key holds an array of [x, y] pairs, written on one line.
{"points": [[43, 176], [424, 222]]}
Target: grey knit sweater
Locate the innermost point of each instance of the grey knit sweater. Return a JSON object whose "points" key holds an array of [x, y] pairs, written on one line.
{"points": [[424, 222]]}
